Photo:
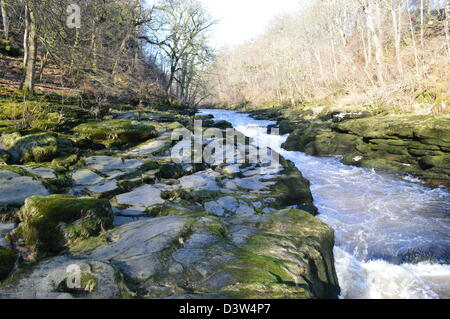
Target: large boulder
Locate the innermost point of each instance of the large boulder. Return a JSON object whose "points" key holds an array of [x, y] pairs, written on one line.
{"points": [[49, 224], [287, 254], [116, 132], [42, 147], [304, 134], [292, 189]]}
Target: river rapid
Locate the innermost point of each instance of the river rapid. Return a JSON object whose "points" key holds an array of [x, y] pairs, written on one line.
{"points": [[382, 221]]}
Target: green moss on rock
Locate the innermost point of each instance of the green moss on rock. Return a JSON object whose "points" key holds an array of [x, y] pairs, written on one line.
{"points": [[171, 170], [48, 224], [7, 261], [406, 144], [116, 132], [66, 161], [38, 148], [292, 189], [291, 257]]}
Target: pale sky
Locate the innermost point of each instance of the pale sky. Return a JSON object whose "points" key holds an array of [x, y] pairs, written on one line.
{"points": [[242, 20]]}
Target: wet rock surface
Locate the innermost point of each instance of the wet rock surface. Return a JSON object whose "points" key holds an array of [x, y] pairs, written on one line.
{"points": [[164, 230]]}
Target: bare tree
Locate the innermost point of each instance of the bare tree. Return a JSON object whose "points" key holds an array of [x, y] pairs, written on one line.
{"points": [[31, 45], [178, 31], [447, 33], [332, 49], [5, 19], [395, 7]]}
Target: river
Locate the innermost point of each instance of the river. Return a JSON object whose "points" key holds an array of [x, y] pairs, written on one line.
{"points": [[380, 221]]}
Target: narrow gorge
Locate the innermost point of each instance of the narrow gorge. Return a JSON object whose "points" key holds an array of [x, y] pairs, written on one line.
{"points": [[392, 230]]}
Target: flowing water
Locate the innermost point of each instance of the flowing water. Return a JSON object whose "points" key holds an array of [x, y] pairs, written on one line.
{"points": [[383, 222]]}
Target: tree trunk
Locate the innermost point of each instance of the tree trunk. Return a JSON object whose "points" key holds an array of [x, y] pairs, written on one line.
{"points": [[416, 57], [5, 19], [173, 69], [319, 60], [31, 45], [397, 37], [373, 24], [422, 21], [447, 33], [44, 59]]}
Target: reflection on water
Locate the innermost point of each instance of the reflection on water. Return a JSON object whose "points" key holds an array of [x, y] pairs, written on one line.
{"points": [[392, 233]]}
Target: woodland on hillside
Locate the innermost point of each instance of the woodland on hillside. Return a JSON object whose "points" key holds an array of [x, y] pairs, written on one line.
{"points": [[121, 50], [383, 55]]}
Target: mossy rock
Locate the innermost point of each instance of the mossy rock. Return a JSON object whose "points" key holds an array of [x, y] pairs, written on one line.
{"points": [[5, 157], [40, 112], [117, 132], [171, 170], [441, 161], [332, 143], [174, 125], [42, 147], [66, 161], [49, 224], [8, 259], [305, 133], [263, 272], [292, 189], [434, 96], [403, 126], [406, 144], [287, 127], [223, 125]]}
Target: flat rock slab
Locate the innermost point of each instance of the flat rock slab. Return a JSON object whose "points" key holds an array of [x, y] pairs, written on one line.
{"points": [[151, 147], [228, 205], [205, 180], [263, 171], [139, 244], [104, 187], [123, 220], [108, 164], [14, 188], [86, 177], [42, 172], [253, 183], [144, 196]]}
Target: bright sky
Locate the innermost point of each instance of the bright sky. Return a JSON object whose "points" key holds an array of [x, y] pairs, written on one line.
{"points": [[242, 20]]}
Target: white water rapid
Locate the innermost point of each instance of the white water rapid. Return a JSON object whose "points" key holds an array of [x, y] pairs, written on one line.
{"points": [[381, 222]]}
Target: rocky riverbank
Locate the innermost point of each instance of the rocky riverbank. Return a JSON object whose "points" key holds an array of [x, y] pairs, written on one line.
{"points": [[417, 145], [108, 202]]}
